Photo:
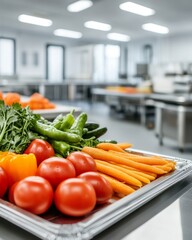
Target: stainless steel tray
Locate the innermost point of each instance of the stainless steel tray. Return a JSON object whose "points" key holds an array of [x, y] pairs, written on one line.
{"points": [[53, 225]]}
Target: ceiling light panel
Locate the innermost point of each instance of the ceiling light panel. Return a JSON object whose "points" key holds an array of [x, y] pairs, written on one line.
{"points": [[118, 37], [155, 28], [79, 5], [67, 33], [97, 26], [35, 20], [137, 9]]}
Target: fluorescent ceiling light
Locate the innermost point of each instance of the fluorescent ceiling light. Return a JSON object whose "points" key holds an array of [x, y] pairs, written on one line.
{"points": [[97, 25], [155, 28], [67, 33], [136, 8], [79, 5], [35, 20], [118, 37]]}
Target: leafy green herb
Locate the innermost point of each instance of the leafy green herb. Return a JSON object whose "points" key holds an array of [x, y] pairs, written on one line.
{"points": [[15, 125]]}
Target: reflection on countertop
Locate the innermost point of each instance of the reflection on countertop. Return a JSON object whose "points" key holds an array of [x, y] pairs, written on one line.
{"points": [[172, 223]]}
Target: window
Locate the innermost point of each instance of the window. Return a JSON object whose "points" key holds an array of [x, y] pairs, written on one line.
{"points": [[55, 63], [112, 55], [7, 57], [106, 62]]}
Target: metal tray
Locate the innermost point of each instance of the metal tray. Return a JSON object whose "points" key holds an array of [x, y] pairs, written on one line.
{"points": [[55, 226]]}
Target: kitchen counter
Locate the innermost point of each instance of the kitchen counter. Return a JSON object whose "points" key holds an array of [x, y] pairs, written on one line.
{"points": [[167, 216], [68, 89]]}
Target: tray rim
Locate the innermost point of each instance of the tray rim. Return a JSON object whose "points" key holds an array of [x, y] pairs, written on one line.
{"points": [[100, 220]]}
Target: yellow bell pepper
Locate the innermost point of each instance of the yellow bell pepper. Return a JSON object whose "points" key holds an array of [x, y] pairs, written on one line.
{"points": [[21, 166], [4, 159]]}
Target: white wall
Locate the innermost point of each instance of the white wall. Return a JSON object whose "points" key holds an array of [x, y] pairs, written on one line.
{"points": [[31, 43], [166, 50]]}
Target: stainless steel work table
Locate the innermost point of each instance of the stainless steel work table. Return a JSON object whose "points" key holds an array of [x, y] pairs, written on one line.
{"points": [[174, 118], [168, 217], [124, 100]]}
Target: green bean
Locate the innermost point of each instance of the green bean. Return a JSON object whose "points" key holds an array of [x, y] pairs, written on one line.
{"points": [[95, 133], [57, 121], [67, 122], [91, 125], [53, 133], [60, 147], [79, 124]]}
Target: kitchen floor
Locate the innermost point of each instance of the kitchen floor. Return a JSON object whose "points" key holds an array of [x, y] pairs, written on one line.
{"points": [[129, 129]]}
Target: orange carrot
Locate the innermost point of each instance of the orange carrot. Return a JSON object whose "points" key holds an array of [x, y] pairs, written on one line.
{"points": [[109, 146], [120, 175], [149, 175], [124, 145], [129, 172], [166, 167], [107, 156], [141, 159], [118, 186]]}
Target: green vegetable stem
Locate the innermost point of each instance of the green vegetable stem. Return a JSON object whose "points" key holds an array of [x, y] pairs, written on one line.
{"points": [[53, 133]]}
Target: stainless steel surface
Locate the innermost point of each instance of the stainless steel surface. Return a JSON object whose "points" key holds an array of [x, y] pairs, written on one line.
{"points": [[136, 225], [68, 89], [175, 122], [125, 101], [175, 222], [182, 99], [56, 227]]}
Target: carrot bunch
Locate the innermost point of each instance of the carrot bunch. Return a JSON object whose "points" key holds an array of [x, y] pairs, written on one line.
{"points": [[37, 101], [127, 171], [11, 97]]}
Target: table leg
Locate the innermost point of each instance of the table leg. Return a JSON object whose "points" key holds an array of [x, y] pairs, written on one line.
{"points": [[181, 129]]}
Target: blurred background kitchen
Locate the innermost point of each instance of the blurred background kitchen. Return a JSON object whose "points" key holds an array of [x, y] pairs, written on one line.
{"points": [[128, 64]]}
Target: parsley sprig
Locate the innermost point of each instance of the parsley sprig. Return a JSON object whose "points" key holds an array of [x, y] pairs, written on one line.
{"points": [[15, 125]]}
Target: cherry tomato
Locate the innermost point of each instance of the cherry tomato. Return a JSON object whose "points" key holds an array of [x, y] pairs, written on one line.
{"points": [[34, 194], [3, 182], [102, 187], [55, 170], [82, 162], [41, 148], [75, 197]]}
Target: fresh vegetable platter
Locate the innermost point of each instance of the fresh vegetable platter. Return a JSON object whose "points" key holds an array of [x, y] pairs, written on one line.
{"points": [[59, 180]]}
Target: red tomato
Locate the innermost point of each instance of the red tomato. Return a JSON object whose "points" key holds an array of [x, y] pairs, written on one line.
{"points": [[3, 182], [82, 162], [55, 170], [34, 194], [41, 149], [11, 191], [75, 197], [102, 187]]}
